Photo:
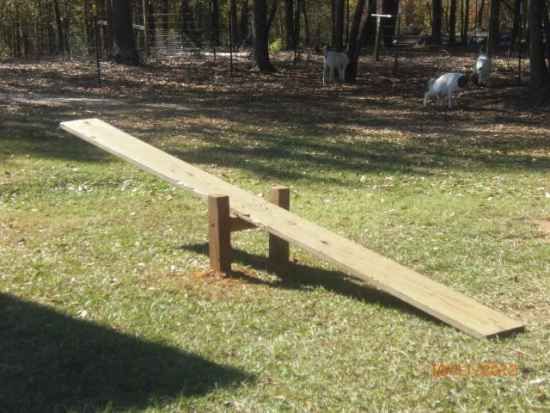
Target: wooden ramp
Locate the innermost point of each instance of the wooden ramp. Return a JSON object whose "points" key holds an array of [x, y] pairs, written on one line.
{"points": [[421, 292]]}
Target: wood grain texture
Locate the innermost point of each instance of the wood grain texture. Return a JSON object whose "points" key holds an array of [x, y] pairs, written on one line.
{"points": [[279, 249], [419, 291], [219, 233]]}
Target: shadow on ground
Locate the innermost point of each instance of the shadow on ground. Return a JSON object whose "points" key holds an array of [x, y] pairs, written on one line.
{"points": [[51, 362], [302, 277]]}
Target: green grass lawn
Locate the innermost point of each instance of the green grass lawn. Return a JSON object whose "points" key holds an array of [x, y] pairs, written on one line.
{"points": [[105, 299]]}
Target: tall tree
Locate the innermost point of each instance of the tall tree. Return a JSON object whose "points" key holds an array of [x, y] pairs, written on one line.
{"points": [[388, 27], [234, 22], [452, 22], [338, 10], [289, 25], [465, 21], [261, 38], [517, 22], [358, 33], [244, 23], [494, 23], [124, 48], [539, 79], [437, 11], [215, 14], [60, 27]]}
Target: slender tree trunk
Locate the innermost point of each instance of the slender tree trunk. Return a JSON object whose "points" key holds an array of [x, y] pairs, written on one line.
{"points": [[546, 22], [67, 28], [494, 20], [234, 22], [297, 23], [466, 22], [388, 25], [437, 11], [215, 22], [338, 18], [60, 31], [108, 37], [124, 48], [452, 22], [261, 38], [289, 24], [479, 21], [516, 25], [307, 33], [244, 23], [358, 32], [539, 77], [151, 23]]}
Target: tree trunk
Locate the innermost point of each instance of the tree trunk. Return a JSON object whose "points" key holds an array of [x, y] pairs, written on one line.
{"points": [[516, 26], [297, 23], [289, 24], [60, 31], [466, 22], [67, 24], [388, 25], [215, 23], [234, 22], [452, 22], [539, 80], [437, 11], [307, 40], [261, 38], [494, 20], [358, 32], [546, 25], [479, 21], [124, 48], [338, 30], [244, 23]]}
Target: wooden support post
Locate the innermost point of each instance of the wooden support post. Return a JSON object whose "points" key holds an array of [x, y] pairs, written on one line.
{"points": [[219, 233], [278, 247]]}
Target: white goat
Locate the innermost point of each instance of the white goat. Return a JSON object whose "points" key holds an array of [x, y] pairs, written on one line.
{"points": [[446, 85], [482, 69], [334, 61]]}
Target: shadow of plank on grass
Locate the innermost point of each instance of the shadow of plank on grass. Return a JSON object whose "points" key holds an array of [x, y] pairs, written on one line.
{"points": [[51, 362], [302, 277]]}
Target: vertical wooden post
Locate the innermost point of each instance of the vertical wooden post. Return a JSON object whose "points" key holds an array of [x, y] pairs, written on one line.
{"points": [[219, 233], [278, 247]]}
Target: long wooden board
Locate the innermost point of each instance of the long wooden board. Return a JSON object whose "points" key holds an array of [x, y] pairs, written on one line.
{"points": [[421, 292]]}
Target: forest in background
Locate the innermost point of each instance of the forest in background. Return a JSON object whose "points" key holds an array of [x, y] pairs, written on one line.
{"points": [[125, 29]]}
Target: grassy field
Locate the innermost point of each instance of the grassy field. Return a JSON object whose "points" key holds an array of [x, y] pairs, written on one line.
{"points": [[105, 299]]}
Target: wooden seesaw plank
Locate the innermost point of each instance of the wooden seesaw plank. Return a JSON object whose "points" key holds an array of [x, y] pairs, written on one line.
{"points": [[421, 292]]}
